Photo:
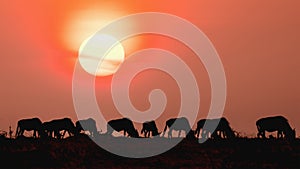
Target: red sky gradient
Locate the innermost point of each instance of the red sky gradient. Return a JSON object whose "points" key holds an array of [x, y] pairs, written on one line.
{"points": [[257, 41]]}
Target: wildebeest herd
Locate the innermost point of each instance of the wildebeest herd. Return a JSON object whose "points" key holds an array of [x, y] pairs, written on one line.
{"points": [[218, 128], [56, 128]]}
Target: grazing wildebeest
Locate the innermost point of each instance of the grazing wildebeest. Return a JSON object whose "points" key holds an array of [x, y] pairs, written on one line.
{"points": [[123, 124], [48, 130], [221, 125], [54, 127], [86, 125], [200, 129], [177, 124], [149, 127], [29, 124], [275, 123]]}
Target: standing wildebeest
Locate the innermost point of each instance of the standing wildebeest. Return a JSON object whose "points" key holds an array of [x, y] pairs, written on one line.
{"points": [[124, 124], [221, 125], [149, 126], [275, 123], [58, 125], [178, 124], [86, 125], [199, 129], [29, 124]]}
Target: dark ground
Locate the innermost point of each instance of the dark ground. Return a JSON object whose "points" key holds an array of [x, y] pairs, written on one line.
{"points": [[82, 152]]}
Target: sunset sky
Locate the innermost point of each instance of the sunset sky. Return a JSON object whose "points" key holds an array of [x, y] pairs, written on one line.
{"points": [[258, 43]]}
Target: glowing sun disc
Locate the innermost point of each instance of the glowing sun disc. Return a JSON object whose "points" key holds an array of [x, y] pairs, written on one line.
{"points": [[101, 55]]}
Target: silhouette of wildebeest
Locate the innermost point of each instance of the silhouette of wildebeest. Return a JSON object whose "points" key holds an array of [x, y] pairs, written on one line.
{"points": [[86, 125], [48, 130], [275, 123], [221, 125], [123, 124], [178, 124], [34, 124], [54, 127], [149, 127]]}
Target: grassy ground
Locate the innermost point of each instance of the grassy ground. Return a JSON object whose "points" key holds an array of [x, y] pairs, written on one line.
{"points": [[82, 152]]}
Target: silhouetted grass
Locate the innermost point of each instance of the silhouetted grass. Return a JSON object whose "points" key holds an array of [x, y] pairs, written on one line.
{"points": [[82, 152]]}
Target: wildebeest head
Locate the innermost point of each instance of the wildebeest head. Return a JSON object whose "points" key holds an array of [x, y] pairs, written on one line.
{"points": [[291, 134], [134, 133], [294, 133], [156, 133]]}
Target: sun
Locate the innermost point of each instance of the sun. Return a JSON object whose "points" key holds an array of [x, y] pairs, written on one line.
{"points": [[101, 55]]}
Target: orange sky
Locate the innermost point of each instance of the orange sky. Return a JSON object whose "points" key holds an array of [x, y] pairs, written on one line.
{"points": [[258, 43]]}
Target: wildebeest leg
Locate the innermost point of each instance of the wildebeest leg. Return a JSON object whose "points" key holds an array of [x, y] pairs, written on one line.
{"points": [[165, 129], [179, 133], [69, 133], [222, 134], [60, 136], [264, 134], [279, 134], [205, 134], [170, 133], [213, 134], [55, 134], [197, 132], [258, 134], [200, 131], [186, 132], [35, 134], [282, 134], [63, 135], [22, 132], [217, 134], [19, 132], [261, 134]]}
